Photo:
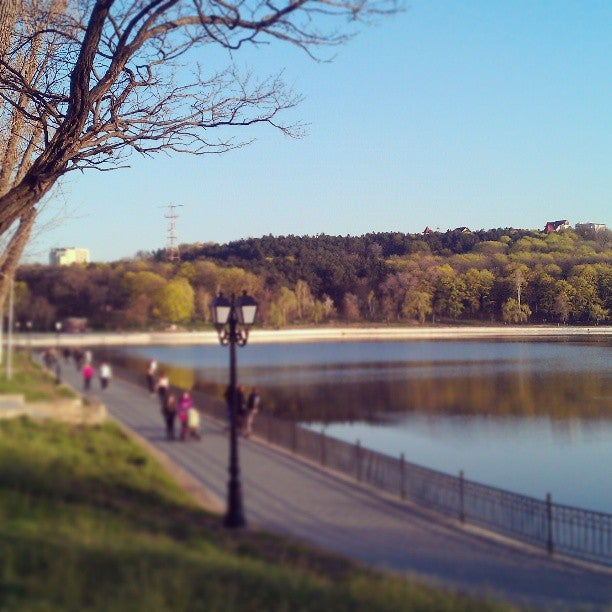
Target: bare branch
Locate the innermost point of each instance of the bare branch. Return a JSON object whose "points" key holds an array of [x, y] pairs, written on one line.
{"points": [[107, 80]]}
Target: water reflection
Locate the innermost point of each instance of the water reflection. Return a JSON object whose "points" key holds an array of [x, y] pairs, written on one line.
{"points": [[348, 382]]}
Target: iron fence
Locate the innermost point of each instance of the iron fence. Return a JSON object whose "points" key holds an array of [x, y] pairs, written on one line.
{"points": [[576, 532]]}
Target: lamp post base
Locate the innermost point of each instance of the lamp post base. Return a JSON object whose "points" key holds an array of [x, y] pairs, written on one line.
{"points": [[235, 516]]}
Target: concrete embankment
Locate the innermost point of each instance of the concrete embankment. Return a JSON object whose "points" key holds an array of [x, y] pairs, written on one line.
{"points": [[316, 334], [78, 410]]}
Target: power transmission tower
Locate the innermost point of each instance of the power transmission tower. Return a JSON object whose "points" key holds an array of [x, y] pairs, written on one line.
{"points": [[172, 252]]}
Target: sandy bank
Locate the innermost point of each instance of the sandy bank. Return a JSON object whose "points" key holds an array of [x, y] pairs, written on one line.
{"points": [[321, 334]]}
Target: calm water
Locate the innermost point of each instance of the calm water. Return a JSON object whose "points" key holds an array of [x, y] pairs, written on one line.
{"points": [[531, 417]]}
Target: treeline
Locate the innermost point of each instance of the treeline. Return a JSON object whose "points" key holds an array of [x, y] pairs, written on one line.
{"points": [[508, 275]]}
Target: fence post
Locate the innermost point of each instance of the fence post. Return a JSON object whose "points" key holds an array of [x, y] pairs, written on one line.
{"points": [[293, 437], [358, 459], [402, 476], [323, 448], [550, 545], [461, 496]]}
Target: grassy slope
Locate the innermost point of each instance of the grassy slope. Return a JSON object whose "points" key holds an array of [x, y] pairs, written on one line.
{"points": [[89, 521], [30, 379]]}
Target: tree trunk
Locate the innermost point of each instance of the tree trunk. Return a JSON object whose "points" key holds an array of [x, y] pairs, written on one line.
{"points": [[8, 16], [23, 197], [12, 253]]}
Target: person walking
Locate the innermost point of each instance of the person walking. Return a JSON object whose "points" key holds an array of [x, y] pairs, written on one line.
{"points": [[253, 406], [169, 413], [105, 374], [88, 373], [163, 388], [79, 358], [184, 405], [193, 423], [151, 372]]}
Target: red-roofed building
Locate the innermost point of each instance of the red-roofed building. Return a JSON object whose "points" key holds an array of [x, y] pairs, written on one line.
{"points": [[556, 226]]}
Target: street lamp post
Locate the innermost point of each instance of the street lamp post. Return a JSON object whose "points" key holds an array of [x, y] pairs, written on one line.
{"points": [[28, 326], [9, 331], [58, 367], [232, 319]]}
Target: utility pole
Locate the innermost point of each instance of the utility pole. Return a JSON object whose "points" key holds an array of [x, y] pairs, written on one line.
{"points": [[172, 252]]}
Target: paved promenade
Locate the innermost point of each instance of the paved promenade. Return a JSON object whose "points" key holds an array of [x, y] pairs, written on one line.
{"points": [[286, 495]]}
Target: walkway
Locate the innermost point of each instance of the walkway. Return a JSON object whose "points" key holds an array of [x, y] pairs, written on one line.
{"points": [[289, 496]]}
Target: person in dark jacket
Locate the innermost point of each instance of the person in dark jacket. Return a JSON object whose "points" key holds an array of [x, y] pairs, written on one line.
{"points": [[253, 406]]}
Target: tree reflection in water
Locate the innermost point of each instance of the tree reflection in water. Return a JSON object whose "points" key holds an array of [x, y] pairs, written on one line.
{"points": [[331, 392]]}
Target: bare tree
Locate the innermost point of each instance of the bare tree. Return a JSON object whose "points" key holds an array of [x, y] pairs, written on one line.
{"points": [[118, 82], [21, 137]]}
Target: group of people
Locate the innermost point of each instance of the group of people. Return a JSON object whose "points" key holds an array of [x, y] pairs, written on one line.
{"points": [[172, 408], [246, 407], [183, 409], [83, 360]]}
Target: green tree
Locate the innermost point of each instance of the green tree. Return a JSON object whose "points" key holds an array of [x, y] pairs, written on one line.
{"points": [[22, 298], [174, 302], [449, 293], [478, 286], [513, 312], [585, 297], [305, 301], [287, 305], [318, 312], [417, 305], [144, 282], [202, 300], [562, 307]]}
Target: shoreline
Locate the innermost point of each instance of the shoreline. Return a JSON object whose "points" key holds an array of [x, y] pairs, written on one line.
{"points": [[314, 334]]}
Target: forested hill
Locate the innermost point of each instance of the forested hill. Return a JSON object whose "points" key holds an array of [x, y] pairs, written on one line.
{"points": [[334, 264], [509, 275], [384, 245]]}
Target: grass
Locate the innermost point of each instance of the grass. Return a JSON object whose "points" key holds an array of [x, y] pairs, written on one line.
{"points": [[89, 521], [30, 379]]}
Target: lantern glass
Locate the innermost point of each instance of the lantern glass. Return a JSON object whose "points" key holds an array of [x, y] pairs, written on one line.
{"points": [[246, 309], [220, 308]]}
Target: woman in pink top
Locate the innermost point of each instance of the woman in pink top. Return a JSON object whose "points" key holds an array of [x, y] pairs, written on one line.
{"points": [[185, 403], [88, 373]]}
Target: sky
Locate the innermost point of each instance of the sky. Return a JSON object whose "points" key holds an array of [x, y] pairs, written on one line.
{"points": [[482, 114]]}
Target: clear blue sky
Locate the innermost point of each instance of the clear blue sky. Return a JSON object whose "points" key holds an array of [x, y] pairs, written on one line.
{"points": [[479, 113]]}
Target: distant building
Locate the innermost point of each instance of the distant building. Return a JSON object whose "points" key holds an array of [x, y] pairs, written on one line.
{"points": [[68, 255], [591, 227], [74, 325], [463, 230], [556, 226], [426, 231]]}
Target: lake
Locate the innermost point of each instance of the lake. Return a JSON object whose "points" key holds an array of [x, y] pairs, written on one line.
{"points": [[531, 417]]}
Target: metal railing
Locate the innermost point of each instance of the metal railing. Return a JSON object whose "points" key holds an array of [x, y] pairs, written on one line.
{"points": [[576, 532]]}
